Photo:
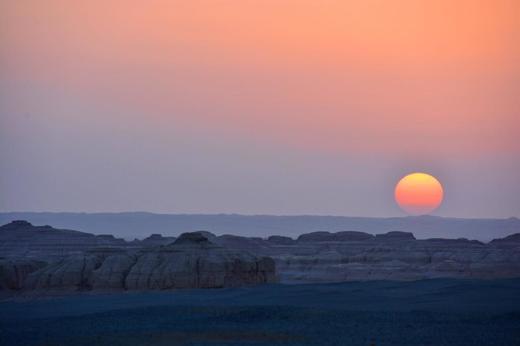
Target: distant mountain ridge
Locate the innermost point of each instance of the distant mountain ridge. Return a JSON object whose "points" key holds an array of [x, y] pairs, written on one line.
{"points": [[141, 224]]}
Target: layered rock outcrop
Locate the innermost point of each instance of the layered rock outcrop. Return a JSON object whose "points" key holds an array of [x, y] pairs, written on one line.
{"points": [[13, 272], [395, 235], [345, 256], [155, 240], [397, 256], [280, 240], [337, 236], [192, 261], [84, 261]]}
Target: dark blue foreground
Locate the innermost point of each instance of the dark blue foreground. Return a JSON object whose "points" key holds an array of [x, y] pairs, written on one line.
{"points": [[429, 312]]}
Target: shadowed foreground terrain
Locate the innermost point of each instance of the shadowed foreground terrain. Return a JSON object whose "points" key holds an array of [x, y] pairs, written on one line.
{"points": [[426, 312]]}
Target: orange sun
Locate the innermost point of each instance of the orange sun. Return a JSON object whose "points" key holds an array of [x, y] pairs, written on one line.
{"points": [[419, 193]]}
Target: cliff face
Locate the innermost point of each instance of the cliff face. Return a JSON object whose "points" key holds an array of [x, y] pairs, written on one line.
{"points": [[350, 256], [13, 272], [84, 261], [396, 260], [192, 261]]}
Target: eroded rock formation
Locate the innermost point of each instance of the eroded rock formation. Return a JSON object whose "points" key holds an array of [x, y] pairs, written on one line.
{"points": [[201, 259], [344, 256], [13, 272], [192, 261]]}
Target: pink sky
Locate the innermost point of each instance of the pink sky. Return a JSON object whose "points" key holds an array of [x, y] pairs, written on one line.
{"points": [[409, 84]]}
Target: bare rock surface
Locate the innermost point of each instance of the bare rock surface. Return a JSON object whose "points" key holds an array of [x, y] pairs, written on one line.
{"points": [[397, 256], [156, 240], [80, 260], [13, 272], [337, 236], [395, 235], [280, 240], [192, 261], [352, 256]]}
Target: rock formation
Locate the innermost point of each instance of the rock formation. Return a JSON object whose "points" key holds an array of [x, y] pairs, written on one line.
{"points": [[395, 235], [22, 239], [80, 260], [344, 256], [156, 240], [280, 240], [192, 261], [338, 236], [13, 272], [396, 256], [511, 240]]}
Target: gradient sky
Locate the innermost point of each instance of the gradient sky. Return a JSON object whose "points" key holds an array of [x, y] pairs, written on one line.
{"points": [[272, 106]]}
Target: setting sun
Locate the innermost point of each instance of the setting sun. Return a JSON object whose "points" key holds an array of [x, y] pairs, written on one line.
{"points": [[419, 193]]}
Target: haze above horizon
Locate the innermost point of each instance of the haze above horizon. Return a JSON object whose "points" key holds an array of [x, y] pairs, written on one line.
{"points": [[258, 107]]}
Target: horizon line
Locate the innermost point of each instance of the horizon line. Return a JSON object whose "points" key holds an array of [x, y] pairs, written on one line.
{"points": [[258, 215]]}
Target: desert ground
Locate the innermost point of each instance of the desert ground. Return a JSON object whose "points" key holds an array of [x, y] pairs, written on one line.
{"points": [[424, 312]]}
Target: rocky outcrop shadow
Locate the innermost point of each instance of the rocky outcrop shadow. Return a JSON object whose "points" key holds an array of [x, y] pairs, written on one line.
{"points": [[192, 261]]}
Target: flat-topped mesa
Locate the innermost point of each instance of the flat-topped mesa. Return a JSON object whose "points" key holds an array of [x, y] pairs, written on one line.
{"points": [[337, 236], [353, 236], [156, 240], [458, 241], [395, 235], [280, 240], [109, 239], [196, 239]]}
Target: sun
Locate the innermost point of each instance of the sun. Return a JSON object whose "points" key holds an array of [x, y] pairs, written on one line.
{"points": [[419, 193]]}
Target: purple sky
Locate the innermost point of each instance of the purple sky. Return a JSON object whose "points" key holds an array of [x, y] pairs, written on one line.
{"points": [[258, 107]]}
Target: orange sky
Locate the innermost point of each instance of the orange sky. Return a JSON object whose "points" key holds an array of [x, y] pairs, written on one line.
{"points": [[336, 75], [406, 80]]}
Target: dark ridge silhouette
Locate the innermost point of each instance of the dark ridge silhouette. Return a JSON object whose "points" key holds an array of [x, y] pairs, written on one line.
{"points": [[140, 225]]}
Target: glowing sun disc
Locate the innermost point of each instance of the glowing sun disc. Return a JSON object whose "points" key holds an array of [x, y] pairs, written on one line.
{"points": [[419, 193]]}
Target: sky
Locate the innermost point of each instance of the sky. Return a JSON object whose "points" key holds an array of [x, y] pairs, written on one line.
{"points": [[258, 107]]}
